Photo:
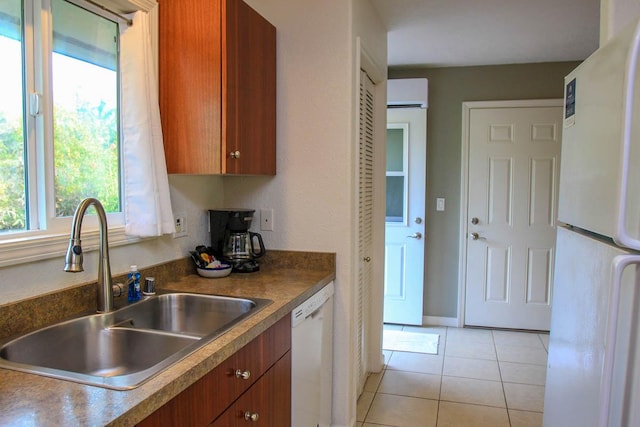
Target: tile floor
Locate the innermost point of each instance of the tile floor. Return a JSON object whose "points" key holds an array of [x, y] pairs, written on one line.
{"points": [[478, 378]]}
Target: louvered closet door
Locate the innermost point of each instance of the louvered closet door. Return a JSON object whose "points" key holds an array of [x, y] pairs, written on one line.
{"points": [[365, 218]]}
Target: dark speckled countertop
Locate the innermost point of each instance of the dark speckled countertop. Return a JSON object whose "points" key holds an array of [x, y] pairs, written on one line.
{"points": [[286, 278]]}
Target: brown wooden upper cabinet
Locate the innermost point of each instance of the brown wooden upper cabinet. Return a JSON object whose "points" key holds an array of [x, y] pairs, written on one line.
{"points": [[217, 71]]}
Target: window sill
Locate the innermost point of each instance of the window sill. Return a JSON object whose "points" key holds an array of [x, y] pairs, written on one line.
{"points": [[36, 248]]}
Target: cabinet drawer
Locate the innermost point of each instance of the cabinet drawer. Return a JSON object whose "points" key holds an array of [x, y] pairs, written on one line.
{"points": [[207, 398], [268, 400]]}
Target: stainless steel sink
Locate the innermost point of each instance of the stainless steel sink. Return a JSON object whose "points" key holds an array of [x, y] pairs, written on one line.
{"points": [[189, 314], [124, 348]]}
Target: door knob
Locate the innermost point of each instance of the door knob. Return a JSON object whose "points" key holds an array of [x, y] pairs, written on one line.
{"points": [[476, 236], [235, 154], [367, 259], [474, 220], [417, 235]]}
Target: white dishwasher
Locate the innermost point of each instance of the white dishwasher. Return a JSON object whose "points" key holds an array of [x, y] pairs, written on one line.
{"points": [[312, 360]]}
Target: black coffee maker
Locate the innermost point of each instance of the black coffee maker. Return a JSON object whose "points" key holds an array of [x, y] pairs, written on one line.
{"points": [[232, 241]]}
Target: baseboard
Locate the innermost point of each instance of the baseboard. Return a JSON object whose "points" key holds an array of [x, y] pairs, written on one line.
{"points": [[440, 321]]}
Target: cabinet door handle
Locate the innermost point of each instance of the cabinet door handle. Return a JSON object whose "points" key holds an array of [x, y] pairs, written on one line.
{"points": [[235, 154], [243, 374], [248, 416]]}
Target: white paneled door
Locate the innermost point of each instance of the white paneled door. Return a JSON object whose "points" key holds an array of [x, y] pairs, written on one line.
{"points": [[514, 156], [405, 226]]}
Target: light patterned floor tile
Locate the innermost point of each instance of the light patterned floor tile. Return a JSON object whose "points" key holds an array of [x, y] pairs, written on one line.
{"points": [[468, 390], [524, 396], [479, 375], [414, 384], [523, 373], [373, 381], [451, 414], [524, 339], [364, 403], [471, 368], [525, 419], [519, 354], [470, 350], [467, 335], [545, 340], [387, 355], [402, 411], [415, 362]]}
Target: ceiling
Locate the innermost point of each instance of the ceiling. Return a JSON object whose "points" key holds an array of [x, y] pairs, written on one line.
{"points": [[444, 33]]}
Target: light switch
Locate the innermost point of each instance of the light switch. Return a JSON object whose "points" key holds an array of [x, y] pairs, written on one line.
{"points": [[440, 204]]}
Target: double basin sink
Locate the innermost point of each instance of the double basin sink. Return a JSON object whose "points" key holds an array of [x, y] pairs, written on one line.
{"points": [[124, 348]]}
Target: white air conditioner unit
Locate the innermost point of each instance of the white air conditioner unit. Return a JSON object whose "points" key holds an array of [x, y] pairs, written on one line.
{"points": [[407, 93]]}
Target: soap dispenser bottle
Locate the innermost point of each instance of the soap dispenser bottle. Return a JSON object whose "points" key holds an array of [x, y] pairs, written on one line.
{"points": [[133, 282]]}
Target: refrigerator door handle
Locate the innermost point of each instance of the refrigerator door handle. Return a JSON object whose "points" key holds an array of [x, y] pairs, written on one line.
{"points": [[621, 236], [619, 264]]}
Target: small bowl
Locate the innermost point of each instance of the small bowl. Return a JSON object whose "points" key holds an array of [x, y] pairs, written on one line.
{"points": [[222, 271]]}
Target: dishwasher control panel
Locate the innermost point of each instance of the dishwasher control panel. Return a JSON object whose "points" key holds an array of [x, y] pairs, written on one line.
{"points": [[302, 311]]}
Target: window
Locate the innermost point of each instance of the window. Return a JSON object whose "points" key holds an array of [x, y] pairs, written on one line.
{"points": [[397, 165], [59, 114], [12, 150]]}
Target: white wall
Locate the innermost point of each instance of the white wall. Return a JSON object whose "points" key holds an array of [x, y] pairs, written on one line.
{"points": [[313, 192], [370, 46], [190, 194]]}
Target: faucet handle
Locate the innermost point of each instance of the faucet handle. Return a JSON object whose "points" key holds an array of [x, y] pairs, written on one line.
{"points": [[118, 289]]}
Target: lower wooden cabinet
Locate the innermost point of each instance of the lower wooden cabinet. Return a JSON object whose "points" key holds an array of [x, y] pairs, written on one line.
{"points": [[260, 372], [267, 403]]}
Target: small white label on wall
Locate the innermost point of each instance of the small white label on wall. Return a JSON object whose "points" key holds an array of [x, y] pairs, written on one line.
{"points": [[266, 219]]}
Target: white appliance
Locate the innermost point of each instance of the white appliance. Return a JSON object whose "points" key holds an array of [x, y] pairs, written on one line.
{"points": [[312, 360], [593, 373]]}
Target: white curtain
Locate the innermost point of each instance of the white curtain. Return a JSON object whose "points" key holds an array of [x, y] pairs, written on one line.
{"points": [[146, 185]]}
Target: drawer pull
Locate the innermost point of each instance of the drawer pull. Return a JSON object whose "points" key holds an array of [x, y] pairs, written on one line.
{"points": [[248, 416], [243, 374]]}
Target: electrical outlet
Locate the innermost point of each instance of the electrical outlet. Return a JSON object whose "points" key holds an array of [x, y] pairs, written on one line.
{"points": [[180, 219], [266, 219]]}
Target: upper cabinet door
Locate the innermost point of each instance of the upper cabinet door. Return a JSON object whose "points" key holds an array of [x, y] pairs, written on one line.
{"points": [[217, 88], [249, 91]]}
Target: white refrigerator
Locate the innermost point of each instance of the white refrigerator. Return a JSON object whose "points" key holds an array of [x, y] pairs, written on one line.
{"points": [[593, 371]]}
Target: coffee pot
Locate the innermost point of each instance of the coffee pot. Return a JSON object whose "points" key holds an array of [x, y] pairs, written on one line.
{"points": [[232, 241], [240, 250]]}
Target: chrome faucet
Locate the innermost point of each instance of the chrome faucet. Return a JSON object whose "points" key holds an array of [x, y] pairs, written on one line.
{"points": [[73, 260]]}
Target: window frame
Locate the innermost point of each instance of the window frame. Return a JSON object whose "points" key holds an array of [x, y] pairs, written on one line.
{"points": [[47, 236]]}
